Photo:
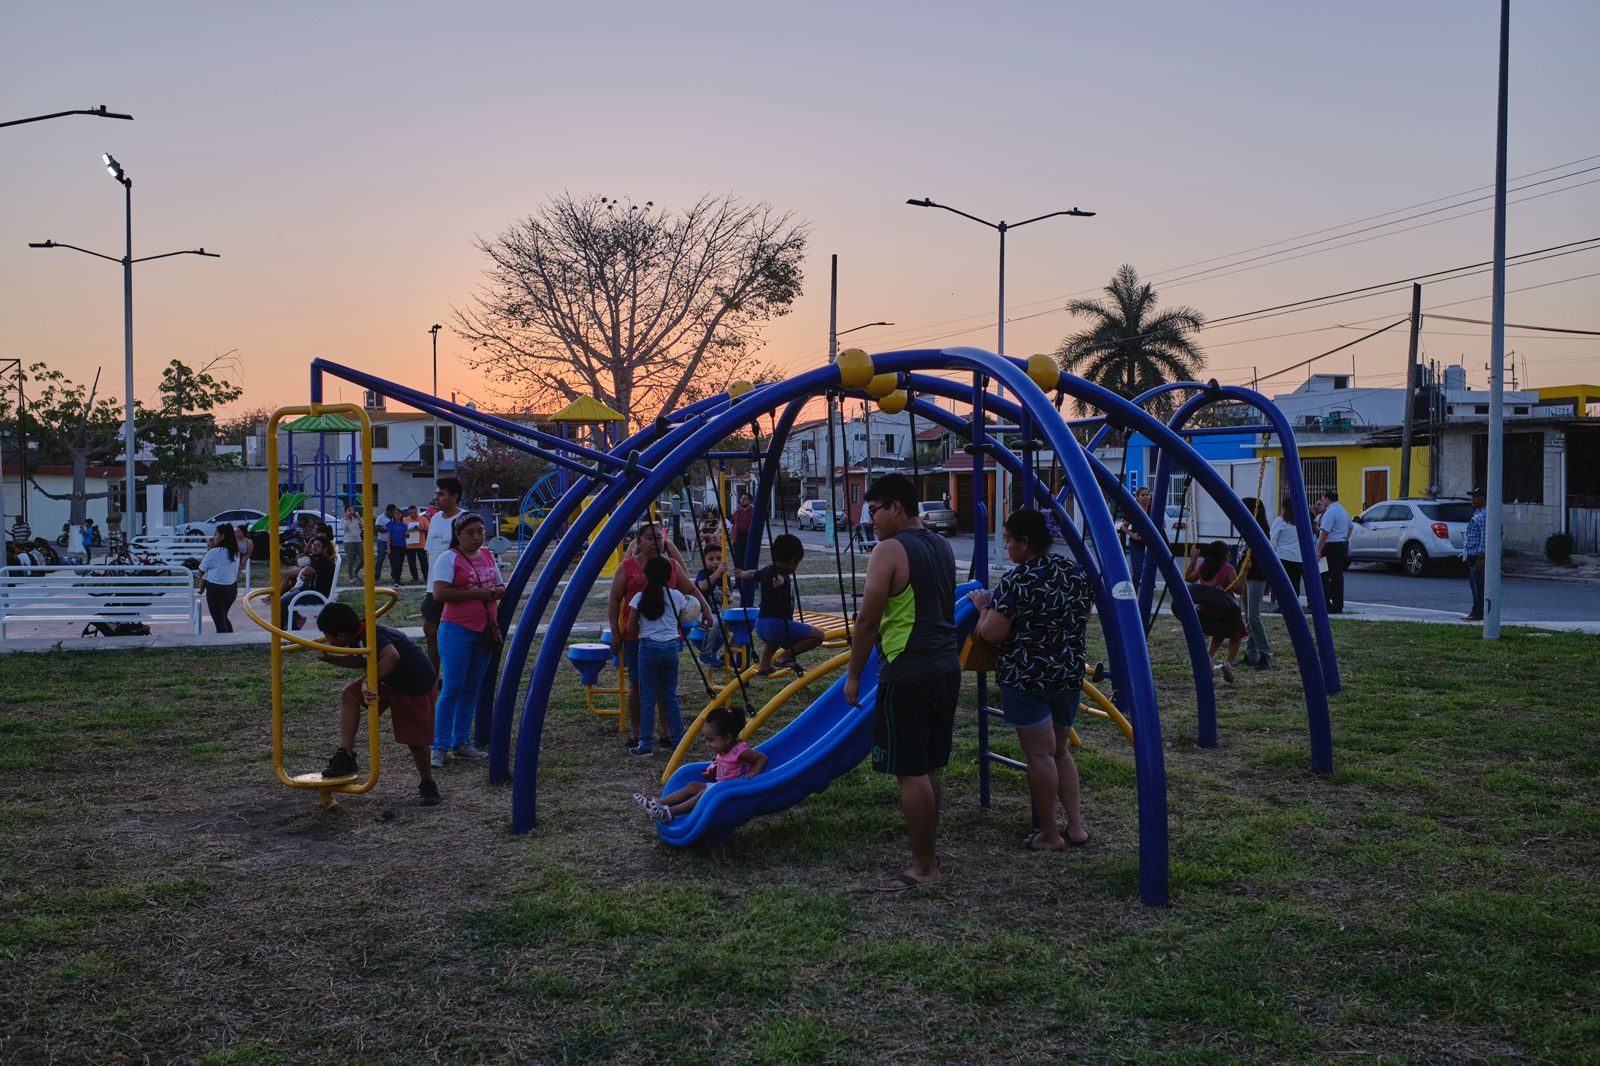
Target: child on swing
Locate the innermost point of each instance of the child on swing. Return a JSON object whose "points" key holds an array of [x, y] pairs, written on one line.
{"points": [[732, 759], [774, 620]]}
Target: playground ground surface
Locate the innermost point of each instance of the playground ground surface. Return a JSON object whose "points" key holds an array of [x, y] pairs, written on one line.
{"points": [[163, 899]]}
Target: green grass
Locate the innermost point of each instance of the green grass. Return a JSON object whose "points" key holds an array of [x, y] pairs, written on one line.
{"points": [[1432, 900]]}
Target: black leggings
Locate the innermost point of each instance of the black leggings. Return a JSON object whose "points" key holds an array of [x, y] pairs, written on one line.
{"points": [[218, 599], [1294, 574], [397, 559]]}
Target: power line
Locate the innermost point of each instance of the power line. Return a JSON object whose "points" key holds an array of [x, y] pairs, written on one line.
{"points": [[1226, 270], [1513, 325], [1335, 351]]}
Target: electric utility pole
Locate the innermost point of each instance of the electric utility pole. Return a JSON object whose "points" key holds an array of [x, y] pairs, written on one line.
{"points": [[1409, 416]]}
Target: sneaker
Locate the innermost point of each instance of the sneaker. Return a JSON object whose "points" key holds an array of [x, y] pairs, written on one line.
{"points": [[467, 751], [662, 814], [1227, 672], [343, 764], [649, 804], [1262, 664], [437, 760], [429, 790], [641, 749]]}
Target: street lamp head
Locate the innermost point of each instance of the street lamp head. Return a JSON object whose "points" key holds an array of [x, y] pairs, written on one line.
{"points": [[114, 168], [435, 328], [924, 202], [41, 244]]}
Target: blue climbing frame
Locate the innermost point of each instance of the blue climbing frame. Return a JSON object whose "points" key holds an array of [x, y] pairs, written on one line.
{"points": [[624, 480]]}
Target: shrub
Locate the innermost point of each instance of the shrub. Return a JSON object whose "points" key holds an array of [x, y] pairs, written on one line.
{"points": [[1558, 548]]}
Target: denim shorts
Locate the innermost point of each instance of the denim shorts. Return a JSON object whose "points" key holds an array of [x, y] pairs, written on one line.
{"points": [[783, 632], [1023, 709]]}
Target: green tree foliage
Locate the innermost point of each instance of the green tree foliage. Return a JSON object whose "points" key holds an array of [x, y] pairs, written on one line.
{"points": [[488, 463], [1129, 347], [71, 424]]}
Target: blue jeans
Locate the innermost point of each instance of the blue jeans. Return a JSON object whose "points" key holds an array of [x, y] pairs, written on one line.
{"points": [[712, 648], [1475, 580], [1136, 560], [463, 664], [658, 682]]}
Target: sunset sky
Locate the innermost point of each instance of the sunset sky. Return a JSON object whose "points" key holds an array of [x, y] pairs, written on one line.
{"points": [[342, 158]]}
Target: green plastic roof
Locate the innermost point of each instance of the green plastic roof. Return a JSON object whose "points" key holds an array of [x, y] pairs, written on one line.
{"points": [[329, 423]]}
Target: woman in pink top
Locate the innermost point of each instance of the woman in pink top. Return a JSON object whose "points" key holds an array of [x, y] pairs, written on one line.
{"points": [[732, 758], [466, 579], [1210, 577]]}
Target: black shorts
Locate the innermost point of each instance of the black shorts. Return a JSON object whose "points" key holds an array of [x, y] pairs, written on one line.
{"points": [[432, 609], [913, 722]]}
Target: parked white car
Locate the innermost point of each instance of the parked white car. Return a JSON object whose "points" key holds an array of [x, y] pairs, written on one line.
{"points": [[813, 514], [1414, 535], [246, 516]]}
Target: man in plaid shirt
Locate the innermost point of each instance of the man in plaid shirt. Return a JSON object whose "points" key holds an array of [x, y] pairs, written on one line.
{"points": [[1472, 550]]}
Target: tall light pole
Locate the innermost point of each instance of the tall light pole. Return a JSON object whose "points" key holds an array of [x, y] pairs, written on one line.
{"points": [[129, 436], [433, 459], [1495, 474], [1001, 227]]}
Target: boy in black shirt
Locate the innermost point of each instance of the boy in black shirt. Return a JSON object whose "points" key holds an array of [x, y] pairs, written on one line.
{"points": [[407, 689], [774, 622]]}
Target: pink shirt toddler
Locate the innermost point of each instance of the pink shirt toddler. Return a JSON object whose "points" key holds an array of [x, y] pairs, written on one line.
{"points": [[729, 768]]}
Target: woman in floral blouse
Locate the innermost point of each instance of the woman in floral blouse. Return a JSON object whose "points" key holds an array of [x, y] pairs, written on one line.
{"points": [[1037, 617]]}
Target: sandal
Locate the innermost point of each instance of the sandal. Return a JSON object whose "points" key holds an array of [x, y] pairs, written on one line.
{"points": [[902, 882], [1031, 842]]}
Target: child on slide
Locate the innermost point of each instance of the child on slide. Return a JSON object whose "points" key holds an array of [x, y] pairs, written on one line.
{"points": [[732, 758], [775, 623]]}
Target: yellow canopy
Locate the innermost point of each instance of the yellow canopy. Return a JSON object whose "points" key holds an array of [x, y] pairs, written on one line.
{"points": [[586, 409]]}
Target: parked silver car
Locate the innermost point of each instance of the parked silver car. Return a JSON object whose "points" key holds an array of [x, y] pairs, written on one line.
{"points": [[813, 514], [1414, 535], [937, 516]]}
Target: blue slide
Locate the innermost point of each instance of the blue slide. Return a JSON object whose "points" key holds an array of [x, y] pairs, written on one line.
{"points": [[827, 740]]}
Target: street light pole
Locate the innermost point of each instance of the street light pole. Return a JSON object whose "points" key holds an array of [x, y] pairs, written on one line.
{"points": [[129, 436], [1493, 535], [433, 458], [1001, 227], [98, 112]]}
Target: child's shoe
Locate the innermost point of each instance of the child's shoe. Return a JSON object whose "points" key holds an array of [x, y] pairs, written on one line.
{"points": [[649, 804], [343, 764], [641, 748], [436, 760], [429, 789], [467, 751]]}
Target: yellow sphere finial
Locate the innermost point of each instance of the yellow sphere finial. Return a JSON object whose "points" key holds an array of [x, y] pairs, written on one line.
{"points": [[882, 385], [855, 368], [894, 403], [740, 388], [1045, 372]]}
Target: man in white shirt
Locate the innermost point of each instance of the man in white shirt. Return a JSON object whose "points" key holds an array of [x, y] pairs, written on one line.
{"points": [[1333, 544], [448, 501]]}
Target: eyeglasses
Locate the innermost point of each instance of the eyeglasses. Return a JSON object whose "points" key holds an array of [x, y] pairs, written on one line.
{"points": [[874, 508]]}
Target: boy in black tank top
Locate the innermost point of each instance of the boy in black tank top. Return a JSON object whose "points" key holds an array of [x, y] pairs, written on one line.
{"points": [[907, 618]]}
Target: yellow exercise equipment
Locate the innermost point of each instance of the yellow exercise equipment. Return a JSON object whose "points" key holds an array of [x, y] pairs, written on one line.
{"points": [[283, 640]]}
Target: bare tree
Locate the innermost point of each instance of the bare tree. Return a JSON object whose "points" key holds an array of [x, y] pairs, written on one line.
{"points": [[628, 303]]}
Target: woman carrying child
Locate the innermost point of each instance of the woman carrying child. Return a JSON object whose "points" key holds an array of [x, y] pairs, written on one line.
{"points": [[732, 758], [653, 622]]}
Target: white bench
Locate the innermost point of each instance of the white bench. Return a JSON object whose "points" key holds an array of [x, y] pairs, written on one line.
{"points": [[169, 549], [81, 595], [308, 603]]}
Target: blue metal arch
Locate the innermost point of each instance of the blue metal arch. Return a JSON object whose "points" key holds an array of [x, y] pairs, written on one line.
{"points": [[1182, 606]]}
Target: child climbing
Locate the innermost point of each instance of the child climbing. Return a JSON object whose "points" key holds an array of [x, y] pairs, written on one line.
{"points": [[732, 758]]}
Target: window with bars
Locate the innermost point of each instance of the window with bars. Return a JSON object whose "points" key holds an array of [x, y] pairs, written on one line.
{"points": [[855, 493], [1320, 474]]}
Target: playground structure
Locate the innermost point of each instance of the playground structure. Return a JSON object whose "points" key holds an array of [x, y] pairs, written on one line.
{"points": [[614, 487], [322, 419]]}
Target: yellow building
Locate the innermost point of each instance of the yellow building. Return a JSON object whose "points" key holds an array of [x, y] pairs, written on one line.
{"points": [[1579, 396], [1362, 474]]}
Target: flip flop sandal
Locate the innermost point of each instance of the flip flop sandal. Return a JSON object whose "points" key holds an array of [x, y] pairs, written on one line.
{"points": [[901, 882], [1028, 842]]}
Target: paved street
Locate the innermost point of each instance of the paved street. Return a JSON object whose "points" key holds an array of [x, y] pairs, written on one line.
{"points": [[1372, 589]]}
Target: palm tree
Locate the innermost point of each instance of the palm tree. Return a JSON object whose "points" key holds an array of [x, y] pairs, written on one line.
{"points": [[1129, 348]]}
